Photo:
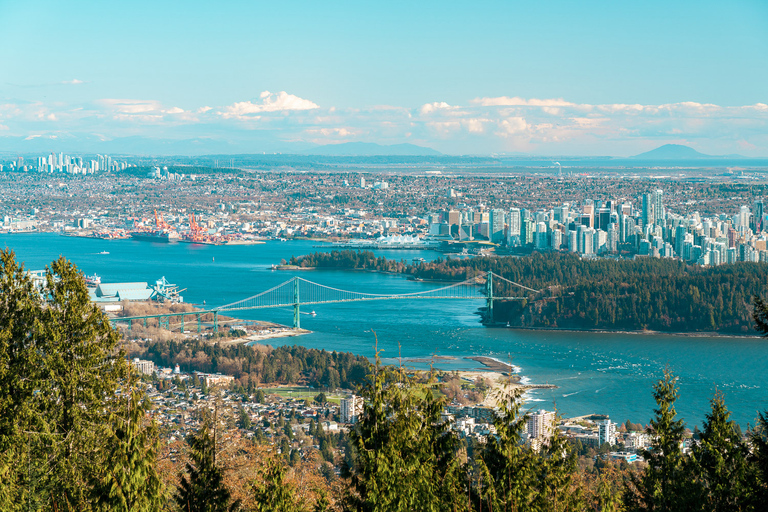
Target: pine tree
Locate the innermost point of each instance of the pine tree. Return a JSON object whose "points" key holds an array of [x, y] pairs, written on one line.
{"points": [[760, 315], [82, 370], [128, 480], [507, 477], [202, 489], [758, 459], [20, 371], [271, 492], [721, 462], [406, 456], [667, 484]]}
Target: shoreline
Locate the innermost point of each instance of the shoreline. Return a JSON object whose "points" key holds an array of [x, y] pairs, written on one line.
{"points": [[255, 339], [690, 334]]}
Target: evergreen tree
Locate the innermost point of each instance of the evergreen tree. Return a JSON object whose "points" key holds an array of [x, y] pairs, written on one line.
{"points": [[20, 373], [721, 462], [758, 438], [667, 484], [82, 371], [128, 480], [271, 492], [406, 456], [202, 489], [760, 315], [514, 476], [507, 477]]}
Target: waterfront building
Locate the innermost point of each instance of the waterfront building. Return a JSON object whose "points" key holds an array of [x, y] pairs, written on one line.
{"points": [[540, 427], [606, 432]]}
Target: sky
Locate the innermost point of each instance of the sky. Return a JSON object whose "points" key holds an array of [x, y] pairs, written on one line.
{"points": [[549, 77]]}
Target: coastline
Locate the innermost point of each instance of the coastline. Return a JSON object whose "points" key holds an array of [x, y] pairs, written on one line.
{"points": [[254, 339], [690, 334]]}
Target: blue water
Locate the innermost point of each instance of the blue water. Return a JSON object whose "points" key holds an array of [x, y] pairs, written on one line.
{"points": [[595, 373]]}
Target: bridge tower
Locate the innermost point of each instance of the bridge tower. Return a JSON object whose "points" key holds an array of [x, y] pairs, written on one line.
{"points": [[489, 297], [296, 311]]}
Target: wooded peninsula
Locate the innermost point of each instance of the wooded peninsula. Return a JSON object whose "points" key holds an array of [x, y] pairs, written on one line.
{"points": [[642, 294]]}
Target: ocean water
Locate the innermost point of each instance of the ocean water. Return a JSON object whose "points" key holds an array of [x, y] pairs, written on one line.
{"points": [[606, 373]]}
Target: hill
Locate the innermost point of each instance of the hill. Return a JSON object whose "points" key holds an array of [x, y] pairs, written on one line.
{"points": [[671, 152]]}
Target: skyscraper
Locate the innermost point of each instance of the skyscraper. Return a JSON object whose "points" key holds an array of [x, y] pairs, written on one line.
{"points": [[758, 214], [496, 226], [658, 206], [648, 217]]}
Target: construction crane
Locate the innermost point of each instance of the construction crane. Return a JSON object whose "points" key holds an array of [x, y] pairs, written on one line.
{"points": [[160, 223]]}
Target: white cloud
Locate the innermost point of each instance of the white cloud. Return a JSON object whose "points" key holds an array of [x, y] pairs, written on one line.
{"points": [[512, 126], [482, 125], [125, 106], [505, 101], [428, 108], [270, 102]]}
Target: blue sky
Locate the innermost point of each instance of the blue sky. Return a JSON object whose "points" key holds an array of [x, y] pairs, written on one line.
{"points": [[546, 77]]}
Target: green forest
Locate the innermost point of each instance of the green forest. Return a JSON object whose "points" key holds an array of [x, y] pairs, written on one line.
{"points": [[76, 433], [253, 366], [642, 294]]}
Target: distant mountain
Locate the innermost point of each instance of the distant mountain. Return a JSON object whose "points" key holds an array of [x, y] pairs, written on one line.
{"points": [[677, 152], [371, 149]]}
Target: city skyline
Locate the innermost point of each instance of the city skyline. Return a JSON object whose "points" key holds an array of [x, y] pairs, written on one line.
{"points": [[551, 79]]}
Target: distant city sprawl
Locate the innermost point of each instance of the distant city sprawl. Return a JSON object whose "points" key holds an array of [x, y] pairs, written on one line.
{"points": [[701, 216]]}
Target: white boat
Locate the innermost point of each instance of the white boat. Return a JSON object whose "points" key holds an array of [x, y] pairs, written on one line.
{"points": [[104, 252]]}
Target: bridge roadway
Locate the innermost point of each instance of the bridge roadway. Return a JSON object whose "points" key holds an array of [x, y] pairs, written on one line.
{"points": [[297, 292]]}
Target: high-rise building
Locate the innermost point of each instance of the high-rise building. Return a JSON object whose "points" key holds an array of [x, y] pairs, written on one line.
{"points": [[541, 237], [496, 226], [556, 239], [742, 219], [606, 432], [612, 240], [680, 233], [603, 218], [648, 216], [526, 231], [350, 409], [658, 206], [540, 427], [758, 216], [514, 222]]}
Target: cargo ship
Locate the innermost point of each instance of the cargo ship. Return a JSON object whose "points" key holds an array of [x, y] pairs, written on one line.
{"points": [[162, 236]]}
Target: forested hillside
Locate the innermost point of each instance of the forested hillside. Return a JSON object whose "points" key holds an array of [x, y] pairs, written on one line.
{"points": [[261, 365], [645, 293]]}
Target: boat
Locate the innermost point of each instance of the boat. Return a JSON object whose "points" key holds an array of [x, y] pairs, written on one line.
{"points": [[313, 313], [104, 252], [156, 235], [92, 281]]}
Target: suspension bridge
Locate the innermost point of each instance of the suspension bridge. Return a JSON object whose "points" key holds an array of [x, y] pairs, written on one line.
{"points": [[297, 292]]}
